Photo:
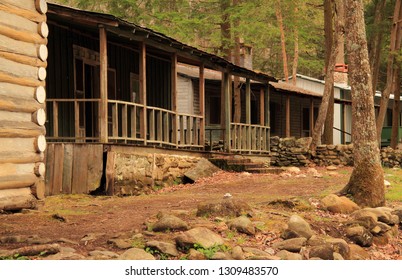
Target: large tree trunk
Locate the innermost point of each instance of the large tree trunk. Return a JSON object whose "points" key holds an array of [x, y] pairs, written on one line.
{"points": [[225, 29], [375, 44], [366, 184], [395, 44], [296, 52], [328, 135], [395, 111], [236, 81], [283, 42], [329, 81]]}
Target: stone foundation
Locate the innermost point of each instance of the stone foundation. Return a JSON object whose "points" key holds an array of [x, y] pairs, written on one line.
{"points": [[137, 174], [295, 152]]}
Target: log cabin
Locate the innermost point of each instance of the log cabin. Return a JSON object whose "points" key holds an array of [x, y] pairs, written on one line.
{"points": [[23, 61]]}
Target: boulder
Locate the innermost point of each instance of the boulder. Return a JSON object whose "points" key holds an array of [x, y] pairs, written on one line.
{"points": [[169, 222], [251, 253], [358, 253], [324, 252], [202, 169], [120, 243], [300, 226], [237, 253], [221, 256], [336, 204], [365, 218], [136, 254], [195, 255], [360, 235], [242, 224], [226, 207], [164, 247], [286, 255], [292, 245], [339, 246], [201, 236], [103, 255]]}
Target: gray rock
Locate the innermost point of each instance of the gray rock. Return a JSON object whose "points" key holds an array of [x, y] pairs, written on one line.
{"points": [[316, 241], [398, 212], [195, 255], [289, 234], [358, 253], [226, 208], [221, 256], [339, 246], [103, 255], [360, 235], [201, 236], [384, 214], [324, 252], [286, 255], [339, 204], [164, 247], [365, 218], [169, 222], [300, 226], [251, 253], [136, 254], [202, 169], [237, 253], [292, 245], [242, 224], [338, 257], [120, 243], [12, 239], [380, 228]]}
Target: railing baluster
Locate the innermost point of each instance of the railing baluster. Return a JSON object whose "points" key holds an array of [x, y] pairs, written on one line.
{"points": [[55, 119], [124, 122], [182, 139]]}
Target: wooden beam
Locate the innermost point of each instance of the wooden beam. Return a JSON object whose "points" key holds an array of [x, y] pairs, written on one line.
{"points": [[174, 97], [262, 106], [143, 91], [16, 199], [24, 36], [311, 116], [32, 15], [248, 101], [287, 109], [31, 82], [103, 85], [32, 61], [20, 129], [228, 99], [202, 104]]}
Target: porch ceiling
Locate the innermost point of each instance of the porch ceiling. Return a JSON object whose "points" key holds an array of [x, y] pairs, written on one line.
{"points": [[135, 32]]}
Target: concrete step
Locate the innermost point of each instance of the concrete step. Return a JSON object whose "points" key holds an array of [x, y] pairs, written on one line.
{"points": [[264, 170]]}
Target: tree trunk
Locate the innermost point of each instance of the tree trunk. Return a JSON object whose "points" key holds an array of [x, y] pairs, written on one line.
{"points": [[225, 29], [395, 44], [296, 53], [366, 184], [283, 42], [395, 111], [375, 44], [236, 81], [329, 81], [327, 137]]}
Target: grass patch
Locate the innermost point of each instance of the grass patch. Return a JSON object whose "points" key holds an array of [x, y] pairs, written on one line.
{"points": [[394, 176]]}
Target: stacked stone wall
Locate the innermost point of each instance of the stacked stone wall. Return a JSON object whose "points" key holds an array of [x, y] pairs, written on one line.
{"points": [[295, 152]]}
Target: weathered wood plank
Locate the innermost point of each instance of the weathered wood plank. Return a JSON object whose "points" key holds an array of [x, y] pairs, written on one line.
{"points": [[14, 91], [95, 166], [67, 169], [17, 181], [20, 129], [80, 162], [143, 91], [19, 105], [32, 15], [103, 115], [124, 122], [16, 199], [110, 173], [262, 106], [23, 81], [58, 169], [16, 169], [49, 161], [38, 189], [202, 105], [17, 22]]}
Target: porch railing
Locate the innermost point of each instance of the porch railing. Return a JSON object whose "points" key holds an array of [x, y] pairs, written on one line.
{"points": [[73, 120], [249, 138]]}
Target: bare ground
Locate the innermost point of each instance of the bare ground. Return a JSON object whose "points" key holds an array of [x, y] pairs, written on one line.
{"points": [[102, 218]]}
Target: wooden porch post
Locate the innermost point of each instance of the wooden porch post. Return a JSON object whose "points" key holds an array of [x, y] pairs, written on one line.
{"points": [[143, 91], [311, 116], [287, 109], [174, 101], [227, 109], [103, 116], [267, 118], [202, 105], [248, 101], [262, 107]]}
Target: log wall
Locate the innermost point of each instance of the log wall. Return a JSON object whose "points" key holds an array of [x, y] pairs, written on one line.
{"points": [[23, 61]]}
